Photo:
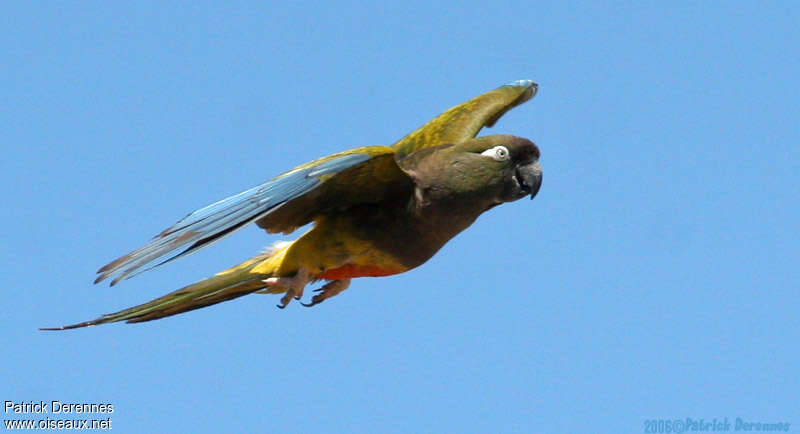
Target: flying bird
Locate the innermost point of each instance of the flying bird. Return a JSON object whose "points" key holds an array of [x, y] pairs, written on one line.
{"points": [[376, 211]]}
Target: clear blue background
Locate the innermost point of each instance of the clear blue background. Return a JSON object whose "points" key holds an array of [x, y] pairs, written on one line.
{"points": [[655, 275]]}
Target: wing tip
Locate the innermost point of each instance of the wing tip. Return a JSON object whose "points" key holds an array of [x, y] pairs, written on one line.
{"points": [[114, 264], [105, 275], [529, 91], [529, 84], [111, 268], [531, 88]]}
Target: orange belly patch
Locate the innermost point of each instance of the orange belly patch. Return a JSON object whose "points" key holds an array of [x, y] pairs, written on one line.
{"points": [[349, 271]]}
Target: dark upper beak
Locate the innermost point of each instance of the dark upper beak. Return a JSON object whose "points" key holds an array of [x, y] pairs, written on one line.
{"points": [[529, 177]]}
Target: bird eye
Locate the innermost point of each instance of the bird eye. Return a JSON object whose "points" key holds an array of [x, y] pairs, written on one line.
{"points": [[498, 153]]}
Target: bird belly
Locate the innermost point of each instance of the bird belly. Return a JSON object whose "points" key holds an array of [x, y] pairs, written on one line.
{"points": [[352, 270], [333, 249]]}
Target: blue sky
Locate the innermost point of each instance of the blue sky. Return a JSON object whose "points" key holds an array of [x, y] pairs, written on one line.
{"points": [[654, 276]]}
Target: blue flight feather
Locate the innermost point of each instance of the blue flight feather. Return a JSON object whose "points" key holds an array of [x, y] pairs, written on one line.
{"points": [[210, 224]]}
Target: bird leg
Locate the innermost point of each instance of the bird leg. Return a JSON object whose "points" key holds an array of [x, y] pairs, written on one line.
{"points": [[293, 285], [329, 290]]}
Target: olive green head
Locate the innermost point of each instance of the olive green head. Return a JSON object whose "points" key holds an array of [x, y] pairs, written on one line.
{"points": [[488, 170]]}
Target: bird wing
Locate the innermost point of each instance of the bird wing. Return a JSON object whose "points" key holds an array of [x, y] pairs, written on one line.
{"points": [[465, 120], [302, 191]]}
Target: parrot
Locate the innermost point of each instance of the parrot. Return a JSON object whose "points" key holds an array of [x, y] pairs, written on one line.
{"points": [[376, 211]]}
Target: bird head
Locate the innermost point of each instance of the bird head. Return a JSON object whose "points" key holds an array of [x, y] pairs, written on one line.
{"points": [[488, 170]]}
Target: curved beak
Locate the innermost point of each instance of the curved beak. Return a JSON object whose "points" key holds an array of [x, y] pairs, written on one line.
{"points": [[529, 177]]}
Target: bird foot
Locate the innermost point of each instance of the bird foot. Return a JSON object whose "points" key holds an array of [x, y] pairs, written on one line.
{"points": [[293, 285], [327, 291]]}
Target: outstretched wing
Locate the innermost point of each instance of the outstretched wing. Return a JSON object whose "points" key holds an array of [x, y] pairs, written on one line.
{"points": [[205, 226], [465, 120]]}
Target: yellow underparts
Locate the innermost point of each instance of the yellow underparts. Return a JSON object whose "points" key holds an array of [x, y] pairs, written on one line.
{"points": [[329, 251]]}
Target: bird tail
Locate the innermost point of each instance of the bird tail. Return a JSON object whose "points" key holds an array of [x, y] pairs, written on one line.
{"points": [[226, 285]]}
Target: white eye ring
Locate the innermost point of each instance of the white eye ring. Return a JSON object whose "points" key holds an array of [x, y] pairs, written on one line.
{"points": [[499, 153]]}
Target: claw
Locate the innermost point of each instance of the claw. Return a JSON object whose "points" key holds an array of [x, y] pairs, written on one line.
{"points": [[327, 291]]}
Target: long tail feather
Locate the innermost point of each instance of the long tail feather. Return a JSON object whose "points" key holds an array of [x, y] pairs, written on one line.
{"points": [[227, 285]]}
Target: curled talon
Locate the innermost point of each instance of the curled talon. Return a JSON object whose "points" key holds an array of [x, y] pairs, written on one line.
{"points": [[327, 291], [286, 299], [317, 299]]}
